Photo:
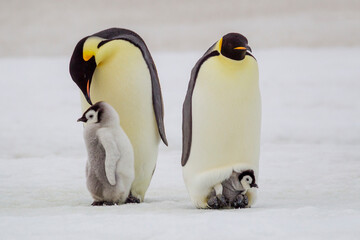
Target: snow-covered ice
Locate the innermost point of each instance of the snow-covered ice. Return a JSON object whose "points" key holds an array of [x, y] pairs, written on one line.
{"points": [[309, 169]]}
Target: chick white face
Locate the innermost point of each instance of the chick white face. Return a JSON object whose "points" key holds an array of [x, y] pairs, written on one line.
{"points": [[91, 116], [248, 182]]}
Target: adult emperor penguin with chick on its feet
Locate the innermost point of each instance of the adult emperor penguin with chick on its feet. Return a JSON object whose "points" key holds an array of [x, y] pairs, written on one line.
{"points": [[221, 119], [115, 66]]}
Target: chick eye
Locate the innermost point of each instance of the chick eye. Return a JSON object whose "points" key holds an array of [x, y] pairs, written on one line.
{"points": [[91, 116], [247, 179]]}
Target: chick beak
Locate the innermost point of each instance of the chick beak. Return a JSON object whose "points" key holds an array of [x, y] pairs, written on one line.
{"points": [[254, 185], [82, 119]]}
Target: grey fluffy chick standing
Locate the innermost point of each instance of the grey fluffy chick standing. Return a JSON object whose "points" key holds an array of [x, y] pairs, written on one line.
{"points": [[231, 192], [110, 165]]}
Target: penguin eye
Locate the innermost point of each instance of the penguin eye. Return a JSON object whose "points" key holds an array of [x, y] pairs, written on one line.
{"points": [[91, 116], [247, 179]]}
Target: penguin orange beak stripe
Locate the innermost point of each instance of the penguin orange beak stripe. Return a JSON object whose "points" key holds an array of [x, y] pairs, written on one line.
{"points": [[87, 94], [241, 48], [88, 88]]}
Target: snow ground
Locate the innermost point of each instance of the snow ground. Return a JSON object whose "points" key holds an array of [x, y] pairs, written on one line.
{"points": [[309, 167]]}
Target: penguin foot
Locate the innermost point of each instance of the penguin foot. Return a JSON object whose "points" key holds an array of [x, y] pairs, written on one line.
{"points": [[97, 203], [132, 199], [241, 201], [217, 202], [102, 203]]}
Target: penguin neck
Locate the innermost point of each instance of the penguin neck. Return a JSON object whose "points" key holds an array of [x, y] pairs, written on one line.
{"points": [[245, 70], [109, 50], [235, 65], [110, 123]]}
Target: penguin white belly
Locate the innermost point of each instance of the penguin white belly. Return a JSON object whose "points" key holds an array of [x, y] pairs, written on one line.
{"points": [[226, 118], [124, 81]]}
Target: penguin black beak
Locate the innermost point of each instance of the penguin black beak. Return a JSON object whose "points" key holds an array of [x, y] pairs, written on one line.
{"points": [[248, 48], [254, 185], [82, 71], [85, 89], [82, 119]]}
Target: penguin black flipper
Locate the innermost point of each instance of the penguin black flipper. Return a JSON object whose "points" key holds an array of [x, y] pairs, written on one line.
{"points": [[187, 106], [124, 34]]}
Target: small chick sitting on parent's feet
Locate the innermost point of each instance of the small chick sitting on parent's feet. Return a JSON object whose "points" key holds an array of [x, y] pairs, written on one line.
{"points": [[110, 165], [231, 192]]}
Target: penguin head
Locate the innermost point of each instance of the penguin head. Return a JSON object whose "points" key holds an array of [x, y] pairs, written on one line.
{"points": [[88, 53], [234, 46], [100, 113], [247, 179]]}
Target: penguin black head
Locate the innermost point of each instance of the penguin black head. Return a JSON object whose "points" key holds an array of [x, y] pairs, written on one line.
{"points": [[247, 179], [84, 62], [234, 46], [82, 71]]}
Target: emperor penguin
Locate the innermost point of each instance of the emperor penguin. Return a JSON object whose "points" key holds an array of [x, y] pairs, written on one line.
{"points": [[221, 118], [115, 66], [110, 165]]}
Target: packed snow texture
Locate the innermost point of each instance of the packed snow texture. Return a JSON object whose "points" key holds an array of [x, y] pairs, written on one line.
{"points": [[309, 168]]}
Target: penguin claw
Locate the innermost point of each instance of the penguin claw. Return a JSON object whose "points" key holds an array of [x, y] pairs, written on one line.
{"points": [[217, 202], [222, 200], [241, 201], [132, 199], [213, 203], [97, 203], [102, 203], [246, 200]]}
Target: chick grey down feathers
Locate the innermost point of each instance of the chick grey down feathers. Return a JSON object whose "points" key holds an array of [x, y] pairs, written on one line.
{"points": [[110, 165]]}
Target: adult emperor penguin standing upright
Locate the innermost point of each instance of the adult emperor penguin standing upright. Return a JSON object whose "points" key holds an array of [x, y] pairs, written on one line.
{"points": [[115, 66], [221, 118]]}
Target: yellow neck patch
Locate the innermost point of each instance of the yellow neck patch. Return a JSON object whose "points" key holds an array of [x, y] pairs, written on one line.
{"points": [[90, 47], [219, 45]]}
